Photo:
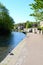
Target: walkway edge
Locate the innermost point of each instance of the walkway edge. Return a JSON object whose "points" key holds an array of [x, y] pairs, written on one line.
{"points": [[16, 51]]}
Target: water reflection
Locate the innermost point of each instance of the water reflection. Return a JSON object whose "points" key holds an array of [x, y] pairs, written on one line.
{"points": [[7, 43]]}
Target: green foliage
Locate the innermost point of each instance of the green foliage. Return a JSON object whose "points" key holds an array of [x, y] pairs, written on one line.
{"points": [[42, 28], [39, 28], [6, 21], [28, 24], [37, 8]]}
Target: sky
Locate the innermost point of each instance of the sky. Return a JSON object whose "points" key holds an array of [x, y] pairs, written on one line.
{"points": [[19, 10]]}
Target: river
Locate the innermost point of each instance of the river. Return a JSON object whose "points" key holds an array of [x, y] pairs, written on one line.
{"points": [[8, 43]]}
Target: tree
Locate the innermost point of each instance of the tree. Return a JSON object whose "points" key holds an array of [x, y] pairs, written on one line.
{"points": [[37, 8], [28, 24], [6, 21]]}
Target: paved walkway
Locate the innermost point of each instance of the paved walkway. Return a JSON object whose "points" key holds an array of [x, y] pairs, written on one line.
{"points": [[30, 52]]}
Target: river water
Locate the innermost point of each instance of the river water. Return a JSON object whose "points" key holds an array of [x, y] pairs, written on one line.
{"points": [[8, 43]]}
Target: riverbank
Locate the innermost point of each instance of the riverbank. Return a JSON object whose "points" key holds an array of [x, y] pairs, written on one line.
{"points": [[13, 57], [28, 52], [7, 44]]}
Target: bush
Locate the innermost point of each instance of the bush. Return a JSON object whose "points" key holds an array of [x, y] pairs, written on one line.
{"points": [[39, 28], [42, 28]]}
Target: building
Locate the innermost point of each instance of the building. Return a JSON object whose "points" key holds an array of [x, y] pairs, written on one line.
{"points": [[41, 24], [20, 27]]}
